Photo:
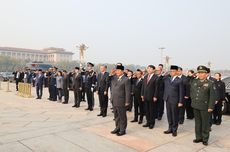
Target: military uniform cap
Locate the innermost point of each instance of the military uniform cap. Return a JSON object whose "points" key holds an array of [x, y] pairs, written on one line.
{"points": [[202, 69]]}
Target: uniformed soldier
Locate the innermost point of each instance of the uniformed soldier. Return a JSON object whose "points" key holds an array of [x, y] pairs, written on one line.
{"points": [[90, 83], [203, 98]]}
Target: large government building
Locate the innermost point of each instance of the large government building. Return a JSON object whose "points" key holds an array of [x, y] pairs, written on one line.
{"points": [[51, 54]]}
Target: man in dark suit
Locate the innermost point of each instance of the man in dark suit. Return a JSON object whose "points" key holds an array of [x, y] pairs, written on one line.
{"points": [[90, 83], [53, 84], [188, 100], [65, 87], [39, 83], [160, 92], [149, 94], [173, 95], [120, 97], [102, 90], [131, 79], [77, 87], [138, 103], [184, 81], [220, 92], [19, 76]]}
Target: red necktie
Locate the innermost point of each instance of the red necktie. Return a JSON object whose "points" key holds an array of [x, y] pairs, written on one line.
{"points": [[148, 78]]}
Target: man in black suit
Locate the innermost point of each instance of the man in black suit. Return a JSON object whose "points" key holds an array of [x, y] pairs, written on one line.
{"points": [[19, 76], [149, 94], [90, 83], [39, 83], [188, 100], [160, 93], [120, 97], [173, 95], [102, 90], [77, 87], [184, 81], [138, 103], [131, 79], [65, 87], [220, 92]]}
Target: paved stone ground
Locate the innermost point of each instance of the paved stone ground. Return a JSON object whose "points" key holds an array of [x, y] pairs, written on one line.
{"points": [[41, 126]]}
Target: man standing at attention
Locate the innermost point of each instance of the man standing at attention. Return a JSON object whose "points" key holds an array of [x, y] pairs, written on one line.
{"points": [[121, 94], [203, 100]]}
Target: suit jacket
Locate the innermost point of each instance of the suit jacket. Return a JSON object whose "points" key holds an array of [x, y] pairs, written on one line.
{"points": [[137, 88], [77, 82], [173, 92], [160, 87], [39, 80], [184, 82], [103, 82], [121, 91], [66, 82], [149, 90]]}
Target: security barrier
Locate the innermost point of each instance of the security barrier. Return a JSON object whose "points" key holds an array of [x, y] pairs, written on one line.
{"points": [[24, 90]]}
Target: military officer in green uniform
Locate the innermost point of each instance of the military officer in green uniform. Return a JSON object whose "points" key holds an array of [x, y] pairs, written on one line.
{"points": [[203, 100]]}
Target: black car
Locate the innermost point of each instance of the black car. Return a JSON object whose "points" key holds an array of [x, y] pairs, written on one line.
{"points": [[226, 103]]}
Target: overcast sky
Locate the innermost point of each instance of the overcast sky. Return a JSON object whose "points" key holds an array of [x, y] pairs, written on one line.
{"points": [[129, 31]]}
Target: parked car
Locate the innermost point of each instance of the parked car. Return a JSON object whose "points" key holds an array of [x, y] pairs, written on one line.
{"points": [[226, 103], [7, 76]]}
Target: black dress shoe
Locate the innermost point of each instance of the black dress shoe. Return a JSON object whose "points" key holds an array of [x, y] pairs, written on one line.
{"points": [[205, 143], [167, 132], [181, 122], [64, 102], [121, 133], [146, 125], [159, 118], [197, 140], [74, 106], [87, 109], [99, 115], [37, 98], [77, 106], [104, 116], [90, 109], [218, 123], [133, 120], [140, 122], [115, 131], [174, 134], [151, 126]]}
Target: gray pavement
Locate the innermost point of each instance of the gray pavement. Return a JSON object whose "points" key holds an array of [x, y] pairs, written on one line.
{"points": [[30, 125]]}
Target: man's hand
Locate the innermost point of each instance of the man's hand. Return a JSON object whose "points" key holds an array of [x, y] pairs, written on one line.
{"points": [[80, 89], [113, 72], [186, 97], [96, 92], [105, 93], [216, 102], [210, 110], [180, 105], [142, 98], [126, 104], [154, 99]]}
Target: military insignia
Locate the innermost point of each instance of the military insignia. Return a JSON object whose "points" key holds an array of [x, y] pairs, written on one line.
{"points": [[206, 85]]}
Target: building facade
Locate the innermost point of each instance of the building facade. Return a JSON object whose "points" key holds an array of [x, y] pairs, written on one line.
{"points": [[51, 54]]}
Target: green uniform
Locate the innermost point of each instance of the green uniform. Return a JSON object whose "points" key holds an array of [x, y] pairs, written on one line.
{"points": [[203, 98]]}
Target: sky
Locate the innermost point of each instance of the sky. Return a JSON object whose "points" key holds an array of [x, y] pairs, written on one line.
{"points": [[193, 32]]}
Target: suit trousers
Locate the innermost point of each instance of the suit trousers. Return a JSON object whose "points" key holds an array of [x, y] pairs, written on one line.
{"points": [[103, 100], [120, 118], [151, 111], [77, 98], [172, 116], [39, 91]]}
